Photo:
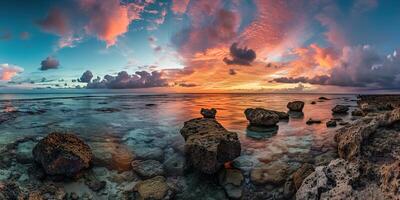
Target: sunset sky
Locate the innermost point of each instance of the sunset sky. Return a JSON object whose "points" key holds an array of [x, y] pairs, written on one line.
{"points": [[201, 45]]}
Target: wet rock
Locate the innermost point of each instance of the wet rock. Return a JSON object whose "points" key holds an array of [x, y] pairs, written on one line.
{"points": [[349, 139], [357, 112], [47, 191], [208, 113], [231, 180], [174, 164], [261, 117], [313, 121], [335, 181], [7, 116], [244, 163], [148, 168], [313, 102], [368, 108], [296, 115], [149, 153], [323, 98], [296, 106], [9, 190], [209, 145], [331, 123], [62, 154], [340, 109], [93, 183], [111, 155], [24, 151], [150, 104], [152, 189], [273, 173], [298, 177], [391, 179]]}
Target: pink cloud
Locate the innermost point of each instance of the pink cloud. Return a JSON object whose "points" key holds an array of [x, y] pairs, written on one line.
{"points": [[7, 72], [109, 19], [179, 6]]}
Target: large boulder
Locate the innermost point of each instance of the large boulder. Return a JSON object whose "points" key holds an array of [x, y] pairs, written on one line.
{"points": [[209, 145], [153, 189], [340, 109], [261, 117], [62, 154], [296, 106], [208, 113]]}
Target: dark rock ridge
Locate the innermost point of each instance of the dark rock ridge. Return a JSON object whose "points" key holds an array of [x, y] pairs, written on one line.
{"points": [[313, 121], [296, 106], [331, 123], [369, 163], [62, 154], [209, 145], [264, 117], [340, 109], [208, 113]]}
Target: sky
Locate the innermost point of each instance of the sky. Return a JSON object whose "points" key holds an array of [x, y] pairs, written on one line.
{"points": [[201, 46]]}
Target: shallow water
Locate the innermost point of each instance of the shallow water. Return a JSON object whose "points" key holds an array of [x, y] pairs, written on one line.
{"points": [[128, 126]]}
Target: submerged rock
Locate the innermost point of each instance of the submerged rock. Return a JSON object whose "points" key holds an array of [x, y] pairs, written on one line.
{"points": [[261, 132], [209, 145], [261, 117], [331, 123], [357, 112], [231, 180], [208, 113], [296, 106], [147, 168], [313, 121], [272, 173], [340, 109], [153, 189], [62, 154]]}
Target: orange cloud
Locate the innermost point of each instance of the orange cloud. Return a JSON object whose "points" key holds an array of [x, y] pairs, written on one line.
{"points": [[7, 72], [179, 6]]}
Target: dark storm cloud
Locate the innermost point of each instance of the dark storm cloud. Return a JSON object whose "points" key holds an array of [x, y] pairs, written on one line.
{"points": [[123, 80], [240, 56], [318, 80], [49, 63], [86, 77]]}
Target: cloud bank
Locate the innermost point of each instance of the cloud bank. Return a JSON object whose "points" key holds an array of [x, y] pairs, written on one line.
{"points": [[7, 71]]}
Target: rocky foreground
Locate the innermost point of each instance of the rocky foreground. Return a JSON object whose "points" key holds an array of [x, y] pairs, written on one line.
{"points": [[368, 166]]}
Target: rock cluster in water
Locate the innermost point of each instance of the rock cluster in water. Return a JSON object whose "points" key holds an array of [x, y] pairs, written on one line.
{"points": [[296, 106], [264, 117], [209, 145]]}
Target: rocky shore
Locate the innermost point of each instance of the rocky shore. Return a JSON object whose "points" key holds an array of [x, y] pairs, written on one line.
{"points": [[368, 166], [205, 160]]}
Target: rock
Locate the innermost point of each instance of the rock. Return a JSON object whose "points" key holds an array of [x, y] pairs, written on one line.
{"points": [[296, 106], [261, 117], [208, 113], [231, 180], [231, 176], [174, 164], [313, 121], [9, 190], [323, 98], [357, 112], [152, 189], [298, 177], [349, 139], [339, 180], [331, 123], [273, 173], [209, 145], [147, 168], [112, 155], [150, 104], [340, 109], [149, 153], [313, 102], [391, 179], [62, 154]]}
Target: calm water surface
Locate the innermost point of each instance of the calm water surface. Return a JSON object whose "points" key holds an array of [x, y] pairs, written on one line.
{"points": [[152, 122]]}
